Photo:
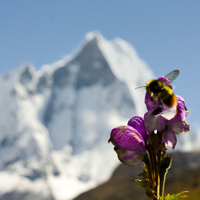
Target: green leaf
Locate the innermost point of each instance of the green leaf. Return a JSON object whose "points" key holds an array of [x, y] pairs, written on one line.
{"points": [[136, 180], [162, 170], [144, 174], [175, 196], [144, 185]]}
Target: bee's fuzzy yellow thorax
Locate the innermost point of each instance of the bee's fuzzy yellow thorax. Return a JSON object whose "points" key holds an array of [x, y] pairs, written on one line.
{"points": [[166, 93]]}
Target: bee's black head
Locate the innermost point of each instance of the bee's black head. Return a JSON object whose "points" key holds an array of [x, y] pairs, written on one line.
{"points": [[155, 86]]}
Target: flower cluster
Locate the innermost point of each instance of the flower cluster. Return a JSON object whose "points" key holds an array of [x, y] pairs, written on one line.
{"points": [[160, 119], [166, 121]]}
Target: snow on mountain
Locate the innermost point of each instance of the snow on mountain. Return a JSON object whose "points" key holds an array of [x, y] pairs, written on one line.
{"points": [[55, 123], [87, 100], [24, 142]]}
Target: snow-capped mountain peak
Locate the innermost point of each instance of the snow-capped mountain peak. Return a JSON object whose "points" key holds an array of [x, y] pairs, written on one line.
{"points": [[57, 121]]}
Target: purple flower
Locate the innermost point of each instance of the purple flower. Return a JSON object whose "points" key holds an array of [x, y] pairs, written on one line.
{"points": [[182, 111], [177, 125], [169, 137], [169, 121], [153, 119], [151, 106], [129, 142], [137, 122]]}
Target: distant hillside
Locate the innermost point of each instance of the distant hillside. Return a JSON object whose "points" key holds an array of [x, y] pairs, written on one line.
{"points": [[184, 175]]}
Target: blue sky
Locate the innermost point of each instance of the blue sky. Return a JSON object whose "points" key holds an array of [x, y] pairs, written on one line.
{"points": [[166, 34]]}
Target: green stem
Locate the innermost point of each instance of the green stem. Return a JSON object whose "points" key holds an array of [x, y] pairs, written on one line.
{"points": [[152, 166], [156, 175], [148, 163]]}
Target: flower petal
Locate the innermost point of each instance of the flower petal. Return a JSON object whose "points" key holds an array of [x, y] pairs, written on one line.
{"points": [[131, 158], [179, 128], [128, 138], [181, 111], [129, 145], [164, 79], [151, 106], [137, 122], [154, 122], [169, 138]]}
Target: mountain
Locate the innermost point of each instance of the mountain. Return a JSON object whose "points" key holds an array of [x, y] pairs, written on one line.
{"points": [[55, 122]]}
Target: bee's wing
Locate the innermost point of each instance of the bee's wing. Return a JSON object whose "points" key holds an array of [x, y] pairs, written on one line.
{"points": [[172, 75]]}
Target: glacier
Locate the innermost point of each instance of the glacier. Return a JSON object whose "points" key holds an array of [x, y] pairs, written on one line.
{"points": [[55, 123]]}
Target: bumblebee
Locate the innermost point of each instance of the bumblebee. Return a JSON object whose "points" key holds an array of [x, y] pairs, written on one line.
{"points": [[160, 89]]}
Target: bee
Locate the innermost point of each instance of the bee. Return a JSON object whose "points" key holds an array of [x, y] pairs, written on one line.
{"points": [[161, 90]]}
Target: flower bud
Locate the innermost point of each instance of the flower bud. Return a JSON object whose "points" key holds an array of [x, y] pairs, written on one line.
{"points": [[128, 144]]}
